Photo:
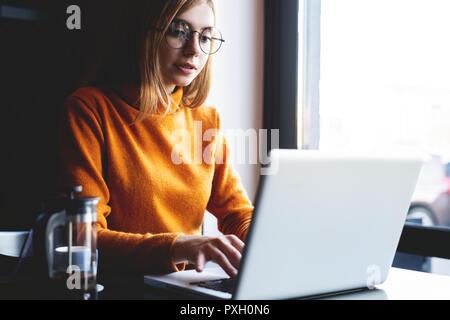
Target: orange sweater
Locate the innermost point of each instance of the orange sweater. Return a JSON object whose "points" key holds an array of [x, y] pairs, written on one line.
{"points": [[146, 199]]}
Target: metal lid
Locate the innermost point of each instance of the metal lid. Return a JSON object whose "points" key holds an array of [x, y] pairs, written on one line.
{"points": [[82, 205]]}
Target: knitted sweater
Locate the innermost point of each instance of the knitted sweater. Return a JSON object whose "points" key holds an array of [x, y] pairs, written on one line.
{"points": [[155, 178]]}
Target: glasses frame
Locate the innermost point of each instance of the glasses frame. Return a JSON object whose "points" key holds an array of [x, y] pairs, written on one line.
{"points": [[192, 32]]}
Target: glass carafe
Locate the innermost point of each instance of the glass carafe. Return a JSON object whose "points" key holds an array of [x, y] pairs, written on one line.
{"points": [[71, 246]]}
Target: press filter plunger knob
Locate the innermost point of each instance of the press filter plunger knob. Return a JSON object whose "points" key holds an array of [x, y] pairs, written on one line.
{"points": [[73, 190]]}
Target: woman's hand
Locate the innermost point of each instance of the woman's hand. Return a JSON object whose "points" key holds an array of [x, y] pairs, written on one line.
{"points": [[224, 250]]}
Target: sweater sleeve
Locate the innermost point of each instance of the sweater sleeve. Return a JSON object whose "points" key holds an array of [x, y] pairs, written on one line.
{"points": [[229, 202], [82, 162]]}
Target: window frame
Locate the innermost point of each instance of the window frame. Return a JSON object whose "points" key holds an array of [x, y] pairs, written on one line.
{"points": [[284, 105], [280, 70]]}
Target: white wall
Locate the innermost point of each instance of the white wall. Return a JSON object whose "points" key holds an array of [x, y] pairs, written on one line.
{"points": [[237, 90]]}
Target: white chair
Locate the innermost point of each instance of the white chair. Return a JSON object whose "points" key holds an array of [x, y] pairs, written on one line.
{"points": [[15, 247], [11, 243]]}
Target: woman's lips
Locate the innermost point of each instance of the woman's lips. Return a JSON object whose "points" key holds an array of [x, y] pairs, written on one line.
{"points": [[186, 69]]}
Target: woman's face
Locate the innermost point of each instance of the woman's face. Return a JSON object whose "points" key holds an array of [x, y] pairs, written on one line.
{"points": [[179, 67]]}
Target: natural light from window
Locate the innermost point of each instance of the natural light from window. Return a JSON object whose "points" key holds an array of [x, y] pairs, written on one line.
{"points": [[385, 86]]}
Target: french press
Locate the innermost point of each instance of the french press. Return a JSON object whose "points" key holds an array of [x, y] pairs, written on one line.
{"points": [[70, 244]]}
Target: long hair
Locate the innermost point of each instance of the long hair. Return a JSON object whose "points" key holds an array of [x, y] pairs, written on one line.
{"points": [[134, 58]]}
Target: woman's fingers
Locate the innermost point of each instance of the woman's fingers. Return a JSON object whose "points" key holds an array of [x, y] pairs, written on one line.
{"points": [[236, 242], [200, 264], [231, 253], [225, 251], [219, 257]]}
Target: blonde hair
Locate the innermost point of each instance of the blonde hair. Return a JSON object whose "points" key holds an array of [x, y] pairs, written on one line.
{"points": [[136, 59], [153, 92]]}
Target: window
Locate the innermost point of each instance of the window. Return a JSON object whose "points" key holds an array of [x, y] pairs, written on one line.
{"points": [[375, 75]]}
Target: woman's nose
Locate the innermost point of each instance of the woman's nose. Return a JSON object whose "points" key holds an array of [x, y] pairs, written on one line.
{"points": [[192, 46]]}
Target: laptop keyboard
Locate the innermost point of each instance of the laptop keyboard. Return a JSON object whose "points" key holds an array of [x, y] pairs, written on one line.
{"points": [[223, 285]]}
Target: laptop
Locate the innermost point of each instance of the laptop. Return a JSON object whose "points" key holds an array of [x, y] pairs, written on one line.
{"points": [[323, 224]]}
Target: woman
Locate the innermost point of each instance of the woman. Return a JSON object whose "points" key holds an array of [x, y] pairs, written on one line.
{"points": [[121, 141]]}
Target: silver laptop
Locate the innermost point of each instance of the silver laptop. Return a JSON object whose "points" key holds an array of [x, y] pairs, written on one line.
{"points": [[323, 224]]}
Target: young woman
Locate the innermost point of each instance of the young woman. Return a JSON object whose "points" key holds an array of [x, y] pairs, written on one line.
{"points": [[120, 140]]}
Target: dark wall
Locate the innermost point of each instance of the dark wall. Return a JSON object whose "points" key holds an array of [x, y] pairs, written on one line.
{"points": [[41, 63]]}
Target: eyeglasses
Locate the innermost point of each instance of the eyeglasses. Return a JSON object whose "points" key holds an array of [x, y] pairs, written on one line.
{"points": [[179, 33]]}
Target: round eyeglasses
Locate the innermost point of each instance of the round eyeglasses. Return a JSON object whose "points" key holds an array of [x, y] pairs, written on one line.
{"points": [[179, 33]]}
